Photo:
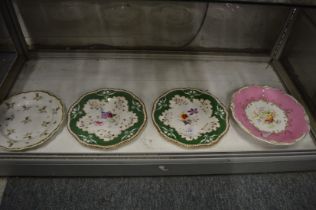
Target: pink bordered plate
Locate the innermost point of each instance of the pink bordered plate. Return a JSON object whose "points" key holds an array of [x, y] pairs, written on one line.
{"points": [[270, 115]]}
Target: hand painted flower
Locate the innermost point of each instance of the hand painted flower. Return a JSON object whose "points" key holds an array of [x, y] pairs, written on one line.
{"points": [[193, 111], [183, 116], [270, 117], [98, 123], [106, 115]]}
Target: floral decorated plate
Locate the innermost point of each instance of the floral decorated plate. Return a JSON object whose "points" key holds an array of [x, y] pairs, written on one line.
{"points": [[190, 117], [29, 119], [270, 115], [106, 118]]}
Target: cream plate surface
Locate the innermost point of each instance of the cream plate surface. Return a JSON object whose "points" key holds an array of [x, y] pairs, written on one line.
{"points": [[29, 119]]}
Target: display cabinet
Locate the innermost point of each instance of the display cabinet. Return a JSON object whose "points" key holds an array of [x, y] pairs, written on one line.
{"points": [[71, 47]]}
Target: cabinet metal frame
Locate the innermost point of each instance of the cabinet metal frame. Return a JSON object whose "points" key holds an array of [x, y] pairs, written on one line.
{"points": [[156, 165]]}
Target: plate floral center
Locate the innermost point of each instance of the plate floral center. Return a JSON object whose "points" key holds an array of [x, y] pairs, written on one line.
{"points": [[107, 118], [266, 116], [189, 118]]}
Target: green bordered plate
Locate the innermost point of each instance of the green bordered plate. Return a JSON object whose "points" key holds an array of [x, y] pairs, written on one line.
{"points": [[106, 118], [190, 117]]}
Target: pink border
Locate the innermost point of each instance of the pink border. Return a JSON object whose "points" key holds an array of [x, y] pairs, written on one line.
{"points": [[298, 123]]}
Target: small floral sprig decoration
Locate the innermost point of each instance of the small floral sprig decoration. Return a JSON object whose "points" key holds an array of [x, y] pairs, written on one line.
{"points": [[76, 112], [162, 103], [127, 134], [88, 138], [191, 93], [208, 138], [168, 131], [106, 94], [136, 106], [220, 112]]}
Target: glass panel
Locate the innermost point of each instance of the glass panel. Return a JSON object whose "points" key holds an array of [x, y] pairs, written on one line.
{"points": [[300, 56], [7, 50], [98, 24], [6, 44]]}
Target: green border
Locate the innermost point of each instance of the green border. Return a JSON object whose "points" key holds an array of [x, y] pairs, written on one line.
{"points": [[90, 139], [170, 133]]}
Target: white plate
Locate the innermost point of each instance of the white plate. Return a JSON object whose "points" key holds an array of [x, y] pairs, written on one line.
{"points": [[29, 119]]}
